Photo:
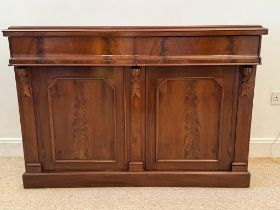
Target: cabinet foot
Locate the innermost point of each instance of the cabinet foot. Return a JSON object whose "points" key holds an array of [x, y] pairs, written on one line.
{"points": [[136, 166]]}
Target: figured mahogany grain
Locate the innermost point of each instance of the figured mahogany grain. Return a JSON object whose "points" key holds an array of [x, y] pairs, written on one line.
{"points": [[188, 117], [81, 113]]}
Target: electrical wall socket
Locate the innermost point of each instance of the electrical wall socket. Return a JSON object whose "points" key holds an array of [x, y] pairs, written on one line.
{"points": [[275, 97]]}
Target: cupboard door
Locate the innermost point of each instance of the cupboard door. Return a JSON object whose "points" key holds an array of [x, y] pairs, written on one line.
{"points": [[81, 117], [189, 117]]}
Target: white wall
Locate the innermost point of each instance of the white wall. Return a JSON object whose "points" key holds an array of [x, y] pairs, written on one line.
{"points": [[266, 118]]}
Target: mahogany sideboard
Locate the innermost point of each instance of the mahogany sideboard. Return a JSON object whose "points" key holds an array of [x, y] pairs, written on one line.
{"points": [[135, 106]]}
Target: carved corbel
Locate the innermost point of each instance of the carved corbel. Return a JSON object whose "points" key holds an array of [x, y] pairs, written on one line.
{"points": [[24, 79], [135, 87], [246, 80]]}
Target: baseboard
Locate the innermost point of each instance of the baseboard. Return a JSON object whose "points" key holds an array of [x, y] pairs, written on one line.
{"points": [[259, 147], [264, 147], [11, 147]]}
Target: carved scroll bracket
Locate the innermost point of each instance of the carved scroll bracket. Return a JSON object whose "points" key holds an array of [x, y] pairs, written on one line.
{"points": [[135, 87], [24, 79], [245, 81]]}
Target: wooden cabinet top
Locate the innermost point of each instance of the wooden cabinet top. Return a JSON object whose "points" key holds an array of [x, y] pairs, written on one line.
{"points": [[127, 46], [135, 30]]}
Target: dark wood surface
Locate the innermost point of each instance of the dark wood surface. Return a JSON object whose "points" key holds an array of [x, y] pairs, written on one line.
{"points": [[135, 30], [137, 179], [128, 46], [189, 117], [135, 106]]}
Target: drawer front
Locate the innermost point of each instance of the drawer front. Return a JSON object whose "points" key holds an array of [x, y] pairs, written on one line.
{"points": [[130, 51], [197, 50], [189, 118], [72, 51], [80, 115]]}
